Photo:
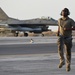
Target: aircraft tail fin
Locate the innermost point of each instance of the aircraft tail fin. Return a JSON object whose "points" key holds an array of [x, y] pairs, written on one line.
{"points": [[3, 15]]}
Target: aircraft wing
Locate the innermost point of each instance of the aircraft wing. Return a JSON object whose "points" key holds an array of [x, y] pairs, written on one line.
{"points": [[42, 21]]}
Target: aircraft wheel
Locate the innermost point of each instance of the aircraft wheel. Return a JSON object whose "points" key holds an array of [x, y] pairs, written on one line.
{"points": [[26, 34]]}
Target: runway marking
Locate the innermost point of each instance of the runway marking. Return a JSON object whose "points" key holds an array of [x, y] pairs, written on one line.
{"points": [[31, 57]]}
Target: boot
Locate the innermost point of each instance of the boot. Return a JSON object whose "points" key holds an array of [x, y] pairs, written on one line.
{"points": [[68, 68], [61, 64]]}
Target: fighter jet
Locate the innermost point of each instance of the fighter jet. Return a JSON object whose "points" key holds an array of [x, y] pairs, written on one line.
{"points": [[37, 25]]}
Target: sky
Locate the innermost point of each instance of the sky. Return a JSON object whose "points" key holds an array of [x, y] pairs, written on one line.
{"points": [[29, 9]]}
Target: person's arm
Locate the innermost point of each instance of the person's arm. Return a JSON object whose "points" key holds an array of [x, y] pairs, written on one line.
{"points": [[69, 28], [58, 31]]}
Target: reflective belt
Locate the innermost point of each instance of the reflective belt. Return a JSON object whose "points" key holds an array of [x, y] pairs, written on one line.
{"points": [[65, 37]]}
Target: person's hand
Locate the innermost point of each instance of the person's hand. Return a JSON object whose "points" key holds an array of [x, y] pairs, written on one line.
{"points": [[65, 28], [57, 34]]}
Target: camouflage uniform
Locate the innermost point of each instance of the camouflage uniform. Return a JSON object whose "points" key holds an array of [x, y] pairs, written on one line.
{"points": [[65, 39]]}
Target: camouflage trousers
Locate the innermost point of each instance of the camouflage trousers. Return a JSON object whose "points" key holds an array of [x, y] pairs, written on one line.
{"points": [[65, 42]]}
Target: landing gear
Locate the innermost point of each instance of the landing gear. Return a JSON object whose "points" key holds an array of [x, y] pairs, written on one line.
{"points": [[42, 35], [16, 33], [26, 34]]}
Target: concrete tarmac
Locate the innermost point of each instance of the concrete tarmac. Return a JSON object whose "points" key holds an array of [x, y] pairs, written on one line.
{"points": [[27, 40], [44, 64], [33, 64]]}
